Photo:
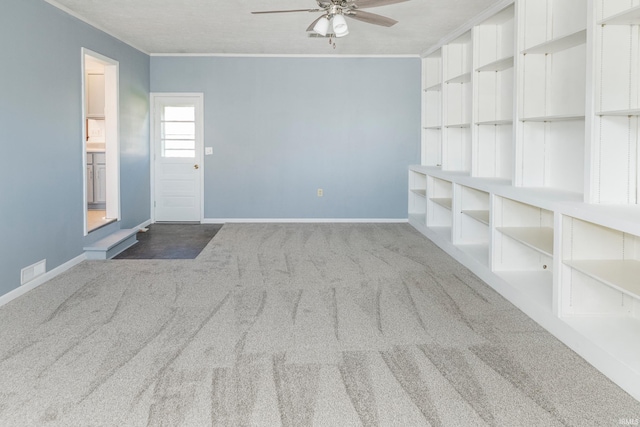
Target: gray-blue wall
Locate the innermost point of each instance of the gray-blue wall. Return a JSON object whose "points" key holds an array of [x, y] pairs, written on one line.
{"points": [[41, 209], [282, 127]]}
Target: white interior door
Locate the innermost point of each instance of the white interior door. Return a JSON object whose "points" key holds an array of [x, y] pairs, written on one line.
{"points": [[178, 142]]}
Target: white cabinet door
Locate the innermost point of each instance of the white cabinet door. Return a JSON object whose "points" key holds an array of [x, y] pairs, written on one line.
{"points": [[90, 184], [100, 183]]}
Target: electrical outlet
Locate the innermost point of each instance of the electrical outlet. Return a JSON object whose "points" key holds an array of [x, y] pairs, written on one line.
{"points": [[320, 192]]}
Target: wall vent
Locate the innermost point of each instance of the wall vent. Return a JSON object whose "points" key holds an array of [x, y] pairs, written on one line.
{"points": [[29, 273]]}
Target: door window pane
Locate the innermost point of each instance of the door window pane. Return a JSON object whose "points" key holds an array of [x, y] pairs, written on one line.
{"points": [[179, 113], [179, 144], [178, 130]]}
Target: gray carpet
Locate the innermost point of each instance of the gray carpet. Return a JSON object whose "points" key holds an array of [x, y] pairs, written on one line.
{"points": [[293, 325]]}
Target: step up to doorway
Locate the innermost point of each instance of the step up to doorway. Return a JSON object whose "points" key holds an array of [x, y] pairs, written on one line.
{"points": [[112, 245]]}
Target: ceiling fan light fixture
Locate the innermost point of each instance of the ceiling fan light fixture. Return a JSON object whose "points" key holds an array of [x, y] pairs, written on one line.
{"points": [[340, 26], [322, 26]]}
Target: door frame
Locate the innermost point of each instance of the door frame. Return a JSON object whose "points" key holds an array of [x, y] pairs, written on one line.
{"points": [[112, 140], [199, 101]]}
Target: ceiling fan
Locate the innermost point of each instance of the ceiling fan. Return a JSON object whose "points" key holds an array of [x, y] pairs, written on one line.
{"points": [[336, 10]]}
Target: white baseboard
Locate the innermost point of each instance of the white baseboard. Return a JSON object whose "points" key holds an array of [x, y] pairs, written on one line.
{"points": [[304, 220], [11, 295]]}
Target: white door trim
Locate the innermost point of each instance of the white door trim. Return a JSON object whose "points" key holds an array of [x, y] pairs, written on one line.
{"points": [[152, 145], [112, 144]]}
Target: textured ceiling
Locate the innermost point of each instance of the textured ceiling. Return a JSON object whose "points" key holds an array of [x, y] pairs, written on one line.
{"points": [[218, 27]]}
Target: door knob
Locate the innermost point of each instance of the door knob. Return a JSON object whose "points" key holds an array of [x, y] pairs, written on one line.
{"points": [[196, 166]]}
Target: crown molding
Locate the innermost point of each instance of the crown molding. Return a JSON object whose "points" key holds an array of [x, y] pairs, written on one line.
{"points": [[94, 25]]}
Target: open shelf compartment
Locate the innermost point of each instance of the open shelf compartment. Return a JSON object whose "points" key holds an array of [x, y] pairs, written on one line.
{"points": [[614, 152], [439, 204], [625, 16], [523, 248], [537, 238], [550, 26], [456, 101], [551, 155], [601, 270], [417, 197], [472, 217], [551, 109], [558, 44], [600, 284], [431, 153], [493, 41]]}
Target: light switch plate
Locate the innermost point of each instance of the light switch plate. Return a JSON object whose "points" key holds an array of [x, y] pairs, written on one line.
{"points": [[208, 151]]}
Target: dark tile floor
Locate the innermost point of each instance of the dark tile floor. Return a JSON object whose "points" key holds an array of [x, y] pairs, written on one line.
{"points": [[171, 241]]}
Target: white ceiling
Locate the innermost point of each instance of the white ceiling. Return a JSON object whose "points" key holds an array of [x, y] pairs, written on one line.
{"points": [[228, 27]]}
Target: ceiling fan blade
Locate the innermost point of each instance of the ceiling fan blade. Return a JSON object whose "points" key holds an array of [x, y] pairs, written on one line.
{"points": [[287, 11], [363, 4], [371, 18], [313, 24]]}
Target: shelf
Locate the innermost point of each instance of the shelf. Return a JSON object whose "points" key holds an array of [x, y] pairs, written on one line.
{"points": [[495, 123], [558, 118], [628, 17], [537, 285], [460, 125], [442, 201], [463, 78], [419, 192], [623, 218], [537, 238], [480, 216], [557, 45], [434, 88], [437, 127], [623, 275], [499, 65], [543, 197], [632, 112]]}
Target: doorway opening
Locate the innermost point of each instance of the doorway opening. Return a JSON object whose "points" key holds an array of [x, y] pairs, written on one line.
{"points": [[100, 148]]}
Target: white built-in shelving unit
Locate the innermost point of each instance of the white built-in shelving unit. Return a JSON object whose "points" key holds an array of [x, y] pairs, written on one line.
{"points": [[493, 94], [456, 102], [614, 151], [418, 197], [523, 249], [530, 167], [551, 92], [439, 204], [432, 109], [472, 224]]}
